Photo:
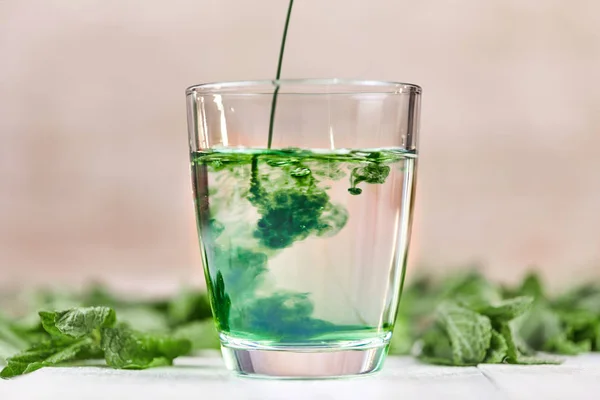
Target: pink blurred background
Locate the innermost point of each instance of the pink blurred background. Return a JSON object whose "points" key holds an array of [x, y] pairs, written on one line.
{"points": [[94, 178]]}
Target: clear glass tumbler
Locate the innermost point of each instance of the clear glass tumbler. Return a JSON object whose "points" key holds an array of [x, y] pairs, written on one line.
{"points": [[303, 205]]}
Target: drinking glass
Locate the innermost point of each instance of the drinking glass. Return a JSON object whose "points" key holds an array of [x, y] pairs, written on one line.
{"points": [[303, 195]]}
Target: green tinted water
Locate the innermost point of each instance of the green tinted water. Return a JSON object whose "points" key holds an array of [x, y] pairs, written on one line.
{"points": [[285, 259]]}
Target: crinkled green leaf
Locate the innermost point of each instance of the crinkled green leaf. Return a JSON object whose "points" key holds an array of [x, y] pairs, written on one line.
{"points": [[572, 332], [580, 325], [469, 333], [537, 326], [77, 322], [52, 352], [498, 350], [512, 352], [508, 309], [128, 349], [514, 355], [436, 347], [463, 336]]}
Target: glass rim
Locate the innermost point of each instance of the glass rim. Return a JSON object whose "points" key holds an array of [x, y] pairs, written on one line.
{"points": [[356, 86]]}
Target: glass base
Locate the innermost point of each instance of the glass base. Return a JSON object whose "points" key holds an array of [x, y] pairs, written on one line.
{"points": [[300, 363]]}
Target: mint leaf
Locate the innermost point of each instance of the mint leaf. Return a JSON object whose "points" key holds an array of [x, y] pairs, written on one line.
{"points": [[498, 350], [74, 335], [468, 333], [47, 354], [77, 322], [514, 355], [580, 325], [538, 326], [564, 332], [128, 349], [507, 310], [512, 352], [201, 334], [436, 347]]}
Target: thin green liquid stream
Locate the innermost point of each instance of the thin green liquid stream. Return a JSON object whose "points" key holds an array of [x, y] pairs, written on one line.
{"points": [[278, 74]]}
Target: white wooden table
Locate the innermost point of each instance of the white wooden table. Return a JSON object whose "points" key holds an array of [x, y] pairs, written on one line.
{"points": [[204, 378]]}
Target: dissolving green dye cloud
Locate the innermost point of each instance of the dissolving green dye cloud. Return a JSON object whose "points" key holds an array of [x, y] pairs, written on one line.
{"points": [[372, 173], [291, 207]]}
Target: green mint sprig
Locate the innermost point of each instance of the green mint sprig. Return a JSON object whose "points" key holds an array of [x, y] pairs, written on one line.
{"points": [[466, 319], [90, 333], [164, 330]]}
